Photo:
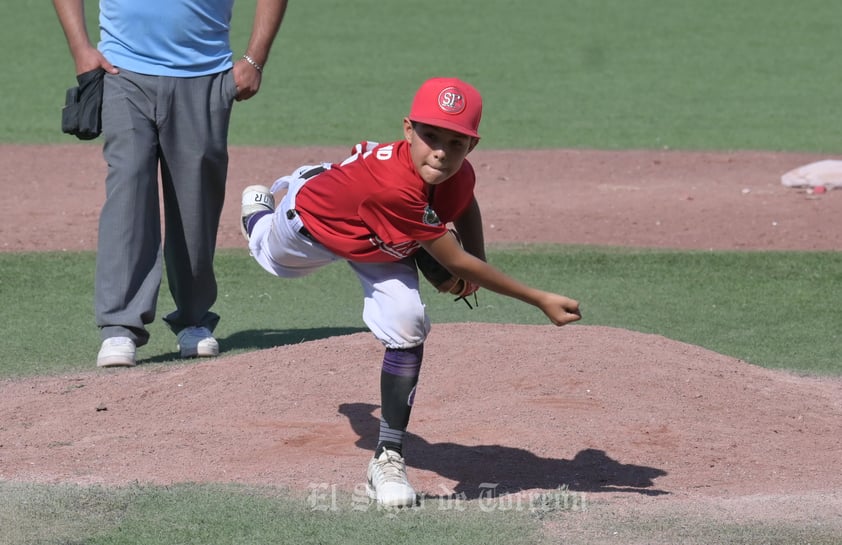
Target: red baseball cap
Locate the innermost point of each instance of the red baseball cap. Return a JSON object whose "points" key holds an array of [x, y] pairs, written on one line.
{"points": [[449, 103]]}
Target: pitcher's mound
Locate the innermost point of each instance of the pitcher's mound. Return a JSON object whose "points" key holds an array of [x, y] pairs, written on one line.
{"points": [[518, 408]]}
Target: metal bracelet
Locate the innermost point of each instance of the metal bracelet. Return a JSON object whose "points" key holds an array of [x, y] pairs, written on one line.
{"points": [[252, 62]]}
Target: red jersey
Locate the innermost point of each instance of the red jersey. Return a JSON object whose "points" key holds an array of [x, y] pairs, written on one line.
{"points": [[374, 207]]}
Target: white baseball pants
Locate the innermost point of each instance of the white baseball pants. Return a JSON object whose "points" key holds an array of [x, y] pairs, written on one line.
{"points": [[392, 308]]}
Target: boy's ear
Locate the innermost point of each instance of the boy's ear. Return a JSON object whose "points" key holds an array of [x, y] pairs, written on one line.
{"points": [[474, 142], [407, 129]]}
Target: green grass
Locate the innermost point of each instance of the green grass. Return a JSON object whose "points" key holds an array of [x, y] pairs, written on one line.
{"points": [[233, 514], [614, 74], [205, 514], [769, 308], [689, 530]]}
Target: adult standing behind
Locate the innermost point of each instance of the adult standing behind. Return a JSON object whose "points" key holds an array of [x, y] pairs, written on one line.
{"points": [[170, 83]]}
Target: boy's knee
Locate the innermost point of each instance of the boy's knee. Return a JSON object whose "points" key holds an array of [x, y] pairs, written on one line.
{"points": [[411, 319], [404, 325]]}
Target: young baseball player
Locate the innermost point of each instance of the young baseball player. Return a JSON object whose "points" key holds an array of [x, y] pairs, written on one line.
{"points": [[374, 210]]}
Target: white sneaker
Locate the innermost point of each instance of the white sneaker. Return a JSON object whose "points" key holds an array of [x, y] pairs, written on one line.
{"points": [[197, 342], [117, 352], [387, 482], [256, 198]]}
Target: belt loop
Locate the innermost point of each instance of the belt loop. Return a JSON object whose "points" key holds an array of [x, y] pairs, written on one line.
{"points": [[298, 225]]}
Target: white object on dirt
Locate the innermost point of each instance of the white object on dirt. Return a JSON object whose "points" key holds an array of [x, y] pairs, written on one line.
{"points": [[826, 174]]}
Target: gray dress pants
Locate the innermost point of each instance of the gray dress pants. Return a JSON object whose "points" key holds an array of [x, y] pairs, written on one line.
{"points": [[180, 126]]}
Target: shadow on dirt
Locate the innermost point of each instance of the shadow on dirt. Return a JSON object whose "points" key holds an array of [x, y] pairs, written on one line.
{"points": [[495, 469]]}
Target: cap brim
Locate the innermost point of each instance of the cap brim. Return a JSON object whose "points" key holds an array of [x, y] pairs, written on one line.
{"points": [[455, 127]]}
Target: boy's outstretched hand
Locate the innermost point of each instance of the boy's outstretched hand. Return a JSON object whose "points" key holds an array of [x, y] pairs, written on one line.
{"points": [[559, 309]]}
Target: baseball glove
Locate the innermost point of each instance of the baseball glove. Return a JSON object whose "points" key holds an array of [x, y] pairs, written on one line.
{"points": [[442, 279], [82, 112]]}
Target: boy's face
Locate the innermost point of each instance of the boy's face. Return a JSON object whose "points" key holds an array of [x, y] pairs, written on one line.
{"points": [[436, 152]]}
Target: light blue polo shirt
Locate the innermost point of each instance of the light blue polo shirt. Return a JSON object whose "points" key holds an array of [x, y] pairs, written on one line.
{"points": [[180, 38]]}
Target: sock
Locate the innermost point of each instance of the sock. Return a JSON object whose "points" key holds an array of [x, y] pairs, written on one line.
{"points": [[398, 379], [250, 221]]}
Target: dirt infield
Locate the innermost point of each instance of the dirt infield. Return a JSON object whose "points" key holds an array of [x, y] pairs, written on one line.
{"points": [[640, 422], [629, 198]]}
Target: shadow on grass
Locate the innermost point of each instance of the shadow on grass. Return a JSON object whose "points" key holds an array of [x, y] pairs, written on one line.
{"points": [[258, 339], [508, 470]]}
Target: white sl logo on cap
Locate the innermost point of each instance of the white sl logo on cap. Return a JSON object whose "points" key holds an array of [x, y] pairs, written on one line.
{"points": [[451, 100]]}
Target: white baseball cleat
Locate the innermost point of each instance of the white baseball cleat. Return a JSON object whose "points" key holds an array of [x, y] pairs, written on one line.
{"points": [[387, 481], [117, 352], [197, 342], [256, 198]]}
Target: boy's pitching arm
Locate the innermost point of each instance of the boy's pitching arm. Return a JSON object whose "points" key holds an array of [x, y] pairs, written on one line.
{"points": [[469, 227], [446, 250]]}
